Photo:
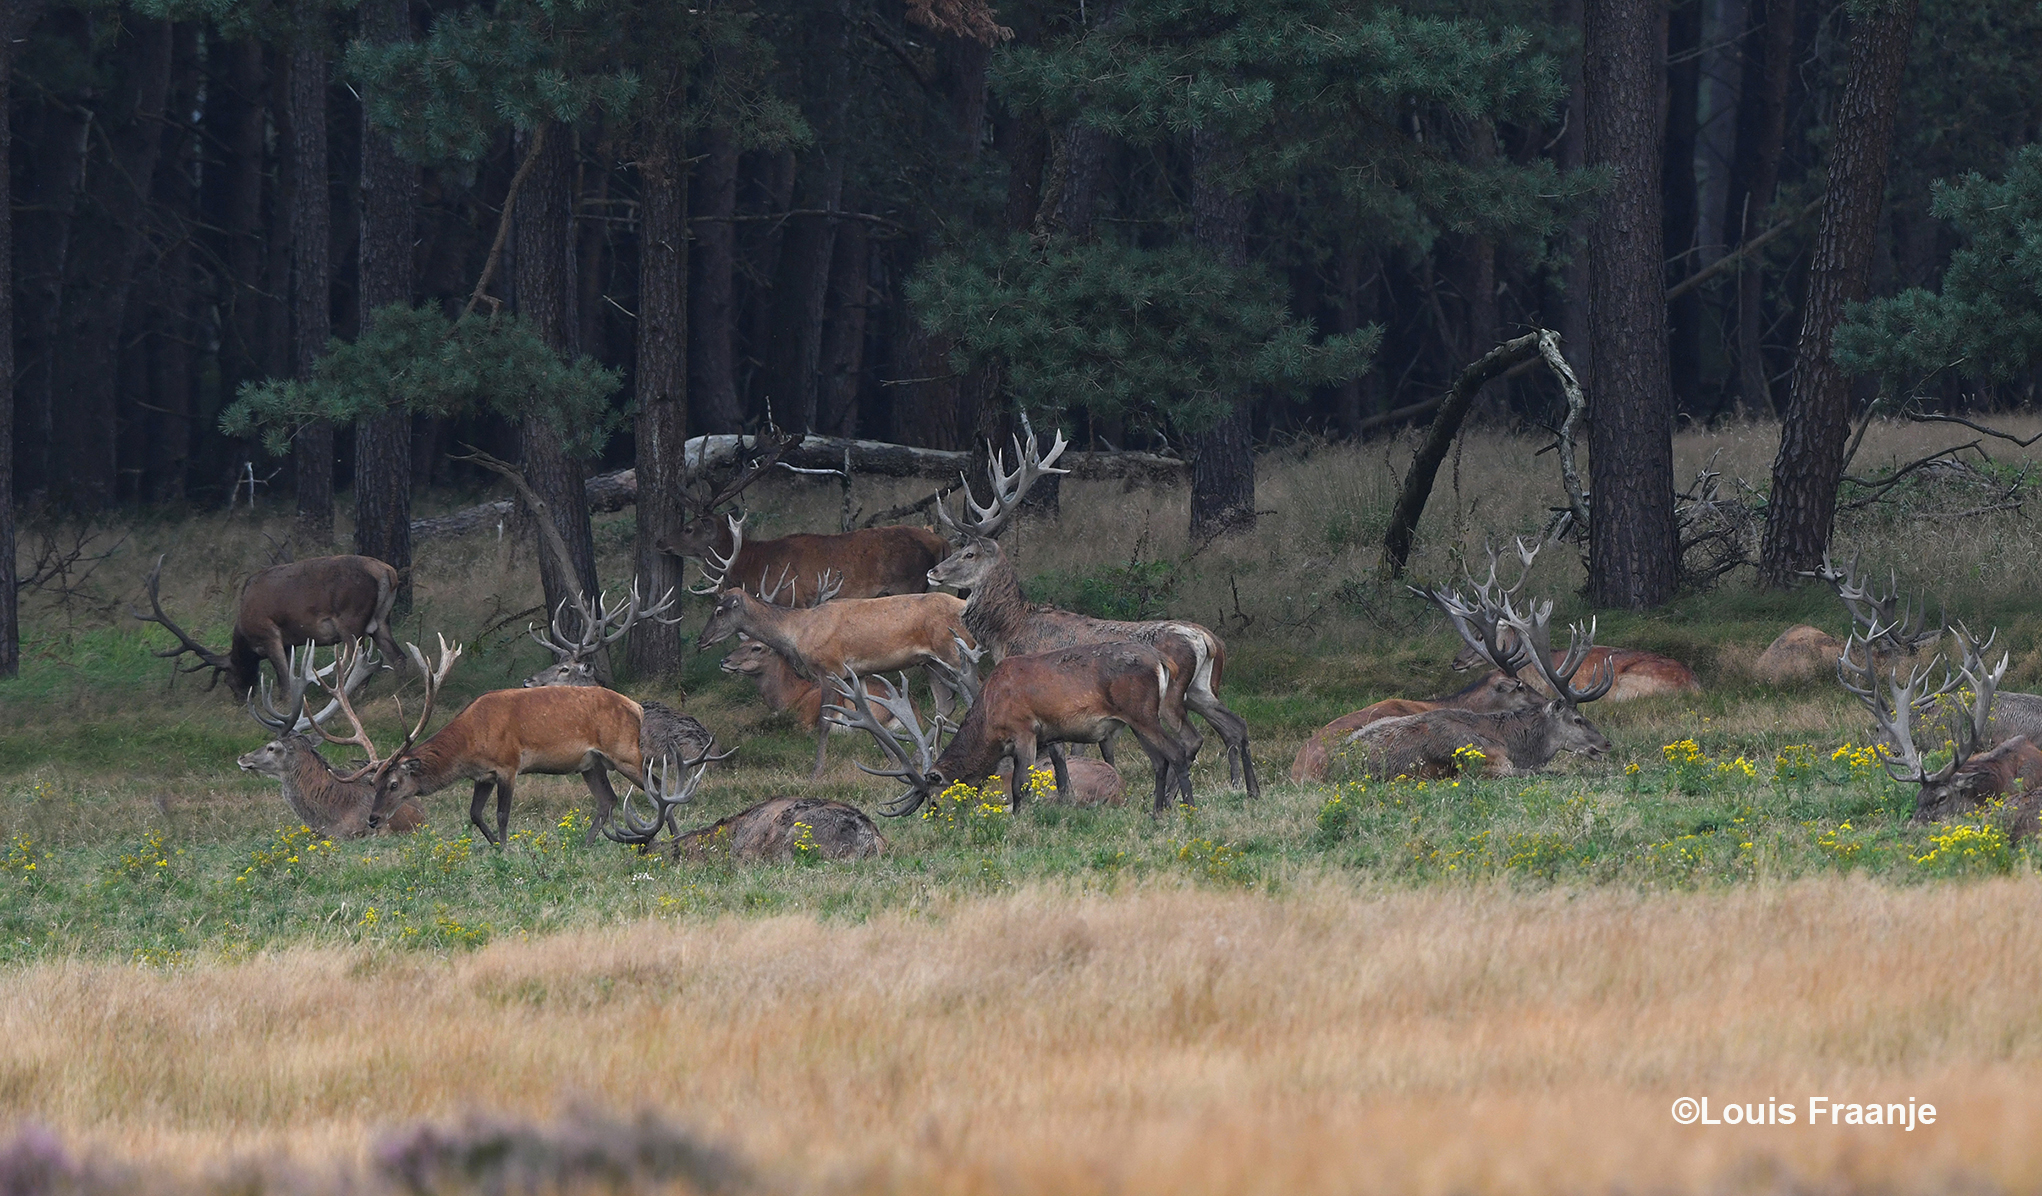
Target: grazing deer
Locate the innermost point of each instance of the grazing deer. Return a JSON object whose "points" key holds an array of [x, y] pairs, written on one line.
{"points": [[847, 635], [1971, 778], [334, 806], [1004, 622], [1071, 695], [779, 828], [1634, 673], [553, 730], [1511, 741], [574, 653], [325, 600], [1486, 694]]}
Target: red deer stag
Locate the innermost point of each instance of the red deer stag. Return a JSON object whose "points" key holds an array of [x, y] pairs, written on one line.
{"points": [[1004, 622], [553, 731], [1971, 778], [779, 828], [1634, 672], [325, 600], [871, 562], [1430, 744], [1080, 694], [574, 652], [1488, 694], [322, 797], [862, 635]]}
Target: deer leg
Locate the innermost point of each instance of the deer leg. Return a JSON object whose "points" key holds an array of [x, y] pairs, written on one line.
{"points": [[503, 805], [1163, 765], [1024, 764], [1233, 730], [481, 800], [598, 780], [1064, 792], [1106, 747], [387, 645]]}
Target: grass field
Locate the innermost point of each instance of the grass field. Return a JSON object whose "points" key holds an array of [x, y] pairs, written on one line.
{"points": [[1492, 986]]}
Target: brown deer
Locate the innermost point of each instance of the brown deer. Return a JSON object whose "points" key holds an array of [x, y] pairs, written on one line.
{"points": [[779, 828], [871, 562], [322, 798], [780, 687], [858, 635], [1430, 744], [325, 600], [574, 652], [1971, 778], [1079, 694], [553, 731], [1005, 623], [1486, 694]]}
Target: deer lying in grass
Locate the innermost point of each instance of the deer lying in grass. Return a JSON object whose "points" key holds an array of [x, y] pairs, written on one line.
{"points": [[1005, 623], [574, 652], [847, 635], [325, 600], [1633, 672], [779, 828], [1490, 693], [1525, 739], [1071, 695], [1972, 778], [323, 798]]}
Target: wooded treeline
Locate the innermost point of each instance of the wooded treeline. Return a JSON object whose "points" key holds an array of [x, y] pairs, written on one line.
{"points": [[1181, 227]]}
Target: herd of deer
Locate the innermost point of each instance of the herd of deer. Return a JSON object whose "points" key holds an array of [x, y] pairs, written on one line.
{"points": [[829, 615]]}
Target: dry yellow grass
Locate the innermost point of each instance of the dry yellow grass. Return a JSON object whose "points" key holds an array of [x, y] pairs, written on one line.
{"points": [[1160, 1040]]}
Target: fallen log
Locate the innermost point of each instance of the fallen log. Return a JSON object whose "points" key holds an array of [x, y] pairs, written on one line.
{"points": [[618, 489]]}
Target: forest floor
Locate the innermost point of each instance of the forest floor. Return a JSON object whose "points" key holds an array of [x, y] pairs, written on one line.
{"points": [[1499, 985]]}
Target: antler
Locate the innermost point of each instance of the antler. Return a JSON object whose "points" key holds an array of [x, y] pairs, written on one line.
{"points": [[666, 797], [1534, 631], [600, 627], [715, 569], [1008, 488], [345, 658], [1891, 619], [917, 772], [1908, 700], [435, 677], [1967, 735], [207, 658], [1482, 623], [961, 678], [828, 584], [292, 715]]}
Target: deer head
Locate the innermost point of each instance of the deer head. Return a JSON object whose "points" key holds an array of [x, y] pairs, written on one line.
{"points": [[594, 629], [1895, 706]]}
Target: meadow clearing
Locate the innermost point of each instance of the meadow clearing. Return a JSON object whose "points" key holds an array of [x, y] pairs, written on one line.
{"points": [[1498, 985]]}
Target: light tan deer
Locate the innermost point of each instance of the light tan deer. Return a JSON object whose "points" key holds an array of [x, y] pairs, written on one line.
{"points": [[323, 798]]}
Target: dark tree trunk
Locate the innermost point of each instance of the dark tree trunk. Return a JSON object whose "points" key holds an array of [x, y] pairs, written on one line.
{"points": [[160, 419], [801, 295], [843, 346], [546, 292], [383, 442], [772, 180], [1223, 457], [1754, 178], [591, 336], [101, 271], [1572, 154], [712, 311], [1356, 289], [661, 385], [1681, 207], [311, 226], [1631, 533], [1810, 461], [41, 260], [245, 116], [15, 18]]}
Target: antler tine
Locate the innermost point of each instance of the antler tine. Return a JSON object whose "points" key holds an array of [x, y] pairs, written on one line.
{"points": [[283, 719], [828, 584], [771, 593], [1984, 685], [666, 800], [616, 626], [1895, 722], [961, 678], [858, 716], [1009, 488], [715, 568], [435, 676], [206, 657], [1534, 632], [362, 665], [345, 657]]}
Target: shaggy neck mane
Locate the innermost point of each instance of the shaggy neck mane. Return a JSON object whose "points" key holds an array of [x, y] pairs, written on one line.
{"points": [[997, 607]]}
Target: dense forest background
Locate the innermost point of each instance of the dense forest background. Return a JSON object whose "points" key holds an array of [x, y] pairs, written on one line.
{"points": [[573, 232]]}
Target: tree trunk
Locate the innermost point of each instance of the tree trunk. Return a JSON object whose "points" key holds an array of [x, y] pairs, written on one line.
{"points": [[311, 226], [383, 442], [161, 417], [15, 18], [1632, 546], [1223, 457], [546, 292], [801, 294], [712, 311], [101, 270], [1754, 178], [843, 346], [1680, 209], [1572, 154], [41, 260], [1810, 461], [661, 385]]}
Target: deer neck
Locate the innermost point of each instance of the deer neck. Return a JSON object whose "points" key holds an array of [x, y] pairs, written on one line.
{"points": [[444, 759], [975, 753], [1528, 736], [773, 626], [994, 612]]}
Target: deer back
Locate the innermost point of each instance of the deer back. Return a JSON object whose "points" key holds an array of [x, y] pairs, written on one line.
{"points": [[873, 562], [1637, 673], [551, 729], [322, 600], [864, 635]]}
